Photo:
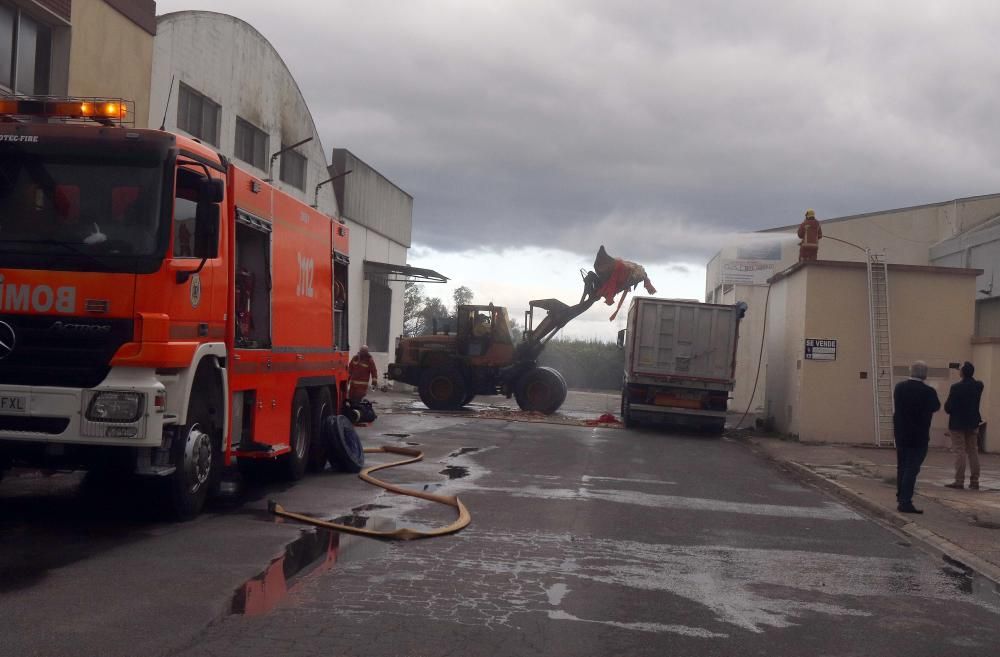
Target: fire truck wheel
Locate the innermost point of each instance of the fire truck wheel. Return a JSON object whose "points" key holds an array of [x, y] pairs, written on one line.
{"points": [[542, 389], [343, 444], [468, 398], [442, 389], [322, 408], [195, 449], [293, 464]]}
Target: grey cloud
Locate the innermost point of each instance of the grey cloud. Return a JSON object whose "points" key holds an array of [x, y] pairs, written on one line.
{"points": [[655, 127]]}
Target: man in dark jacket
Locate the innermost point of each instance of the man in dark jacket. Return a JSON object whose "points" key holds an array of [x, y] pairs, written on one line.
{"points": [[962, 408], [915, 402]]}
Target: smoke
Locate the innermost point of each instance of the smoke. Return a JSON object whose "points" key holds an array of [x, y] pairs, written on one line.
{"points": [[651, 240]]}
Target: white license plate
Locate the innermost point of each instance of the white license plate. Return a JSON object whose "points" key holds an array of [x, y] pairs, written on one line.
{"points": [[13, 404]]}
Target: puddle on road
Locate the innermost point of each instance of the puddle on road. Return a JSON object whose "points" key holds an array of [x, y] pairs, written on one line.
{"points": [[314, 551], [397, 435], [352, 520], [370, 507], [969, 582], [455, 472]]}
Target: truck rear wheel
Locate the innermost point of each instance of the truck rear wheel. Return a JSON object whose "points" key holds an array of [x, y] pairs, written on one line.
{"points": [[293, 464], [627, 420], [322, 408], [442, 389], [715, 427], [542, 389], [468, 398]]}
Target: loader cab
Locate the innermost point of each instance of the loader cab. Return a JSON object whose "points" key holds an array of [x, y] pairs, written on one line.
{"points": [[483, 334]]}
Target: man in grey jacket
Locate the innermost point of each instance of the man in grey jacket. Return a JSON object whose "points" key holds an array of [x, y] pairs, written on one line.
{"points": [[962, 408]]}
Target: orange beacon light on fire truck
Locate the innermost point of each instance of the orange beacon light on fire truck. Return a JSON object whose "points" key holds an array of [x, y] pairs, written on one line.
{"points": [[89, 108]]}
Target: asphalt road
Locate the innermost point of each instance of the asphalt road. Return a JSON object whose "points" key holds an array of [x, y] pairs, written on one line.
{"points": [[584, 541]]}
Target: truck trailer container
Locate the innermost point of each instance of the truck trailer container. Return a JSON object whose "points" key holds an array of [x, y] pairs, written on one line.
{"points": [[162, 311], [680, 360]]}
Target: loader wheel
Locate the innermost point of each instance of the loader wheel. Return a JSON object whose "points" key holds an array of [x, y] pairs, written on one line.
{"points": [[442, 389], [293, 464], [542, 389], [322, 408]]}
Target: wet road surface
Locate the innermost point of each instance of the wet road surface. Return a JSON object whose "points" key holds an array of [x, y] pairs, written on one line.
{"points": [[596, 541]]}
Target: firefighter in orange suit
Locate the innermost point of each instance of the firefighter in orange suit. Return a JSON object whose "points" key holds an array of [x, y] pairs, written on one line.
{"points": [[361, 369], [809, 232]]}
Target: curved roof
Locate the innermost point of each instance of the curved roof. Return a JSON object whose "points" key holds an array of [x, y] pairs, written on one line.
{"points": [[233, 65]]}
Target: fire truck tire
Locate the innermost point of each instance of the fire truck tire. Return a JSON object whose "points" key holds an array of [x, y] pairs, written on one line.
{"points": [[343, 444], [293, 464], [322, 408], [442, 389], [468, 398], [195, 449], [542, 389]]}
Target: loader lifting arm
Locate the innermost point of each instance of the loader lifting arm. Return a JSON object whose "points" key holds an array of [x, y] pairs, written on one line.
{"points": [[558, 315]]}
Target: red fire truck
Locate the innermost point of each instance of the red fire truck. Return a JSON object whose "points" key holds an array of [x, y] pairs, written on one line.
{"points": [[162, 311]]}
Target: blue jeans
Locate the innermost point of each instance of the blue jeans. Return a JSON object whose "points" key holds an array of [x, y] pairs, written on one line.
{"points": [[908, 462]]}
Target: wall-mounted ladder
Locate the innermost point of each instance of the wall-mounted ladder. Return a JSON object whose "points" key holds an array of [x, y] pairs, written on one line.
{"points": [[878, 313]]}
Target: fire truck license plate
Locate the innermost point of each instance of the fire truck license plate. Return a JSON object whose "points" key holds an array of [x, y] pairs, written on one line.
{"points": [[13, 404]]}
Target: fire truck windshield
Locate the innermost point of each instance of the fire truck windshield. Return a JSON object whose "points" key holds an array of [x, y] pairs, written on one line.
{"points": [[80, 211]]}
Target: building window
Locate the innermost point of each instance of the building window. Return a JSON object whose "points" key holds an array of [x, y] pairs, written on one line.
{"points": [[251, 143], [198, 115], [25, 53], [293, 169]]}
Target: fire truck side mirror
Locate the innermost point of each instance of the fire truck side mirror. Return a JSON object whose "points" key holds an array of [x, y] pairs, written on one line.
{"points": [[212, 190], [206, 231], [621, 339]]}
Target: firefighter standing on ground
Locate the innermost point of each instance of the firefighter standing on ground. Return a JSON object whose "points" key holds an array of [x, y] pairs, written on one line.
{"points": [[809, 232], [359, 371]]}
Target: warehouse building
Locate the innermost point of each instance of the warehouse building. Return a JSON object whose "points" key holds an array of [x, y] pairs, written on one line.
{"points": [[952, 247]]}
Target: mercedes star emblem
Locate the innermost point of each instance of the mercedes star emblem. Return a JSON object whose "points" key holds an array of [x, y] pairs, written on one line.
{"points": [[7, 339]]}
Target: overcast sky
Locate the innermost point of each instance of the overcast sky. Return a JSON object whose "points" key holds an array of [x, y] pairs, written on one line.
{"points": [[531, 132]]}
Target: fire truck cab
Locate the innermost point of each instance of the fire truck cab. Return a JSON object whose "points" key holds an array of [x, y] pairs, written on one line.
{"points": [[162, 311]]}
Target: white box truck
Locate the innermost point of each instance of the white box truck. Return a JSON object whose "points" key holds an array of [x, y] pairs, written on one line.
{"points": [[680, 359]]}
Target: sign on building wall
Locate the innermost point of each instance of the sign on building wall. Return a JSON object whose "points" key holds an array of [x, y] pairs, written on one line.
{"points": [[754, 263], [817, 349], [747, 272]]}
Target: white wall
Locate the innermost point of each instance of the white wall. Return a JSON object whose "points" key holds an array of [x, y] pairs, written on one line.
{"points": [[369, 245]]}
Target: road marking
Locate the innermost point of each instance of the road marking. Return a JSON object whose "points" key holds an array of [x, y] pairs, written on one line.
{"points": [[827, 511], [699, 632], [556, 593], [588, 479]]}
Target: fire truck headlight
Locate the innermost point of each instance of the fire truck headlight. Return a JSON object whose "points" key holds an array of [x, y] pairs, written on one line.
{"points": [[115, 407]]}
